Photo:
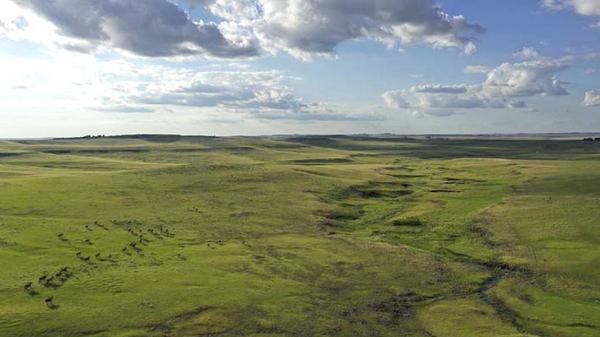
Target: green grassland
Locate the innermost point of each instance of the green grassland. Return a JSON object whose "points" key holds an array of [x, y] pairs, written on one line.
{"points": [[305, 236]]}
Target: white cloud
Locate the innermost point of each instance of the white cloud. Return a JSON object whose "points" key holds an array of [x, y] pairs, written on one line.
{"points": [[3, 28], [315, 27], [160, 28], [582, 7], [79, 82], [256, 94], [149, 28], [528, 78], [502, 88], [19, 23], [592, 98], [527, 53], [396, 99], [439, 89], [477, 69], [123, 109]]}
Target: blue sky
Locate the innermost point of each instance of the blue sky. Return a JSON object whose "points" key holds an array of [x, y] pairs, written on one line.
{"points": [[254, 67]]}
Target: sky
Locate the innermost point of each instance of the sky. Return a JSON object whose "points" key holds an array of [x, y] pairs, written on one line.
{"points": [[264, 67]]}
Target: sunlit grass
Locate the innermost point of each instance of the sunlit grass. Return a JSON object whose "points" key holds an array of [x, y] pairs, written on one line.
{"points": [[315, 236]]}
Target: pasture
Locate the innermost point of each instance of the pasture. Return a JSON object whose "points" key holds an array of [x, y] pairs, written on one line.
{"points": [[299, 236]]}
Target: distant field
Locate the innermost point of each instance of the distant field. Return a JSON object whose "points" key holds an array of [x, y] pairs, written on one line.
{"points": [[306, 236]]}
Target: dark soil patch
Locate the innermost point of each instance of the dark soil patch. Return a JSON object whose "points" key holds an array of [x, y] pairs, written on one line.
{"points": [[94, 151], [406, 176], [322, 161], [11, 154], [342, 215], [445, 191], [410, 222]]}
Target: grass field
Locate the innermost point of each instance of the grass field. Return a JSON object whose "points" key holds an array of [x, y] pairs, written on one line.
{"points": [[306, 236]]}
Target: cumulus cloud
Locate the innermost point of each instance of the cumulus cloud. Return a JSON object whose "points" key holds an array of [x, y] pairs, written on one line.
{"points": [[582, 7], [82, 82], [527, 53], [502, 88], [257, 94], [592, 98], [439, 89], [122, 109], [396, 99], [18, 23], [149, 28], [528, 78], [315, 27], [160, 28], [477, 69]]}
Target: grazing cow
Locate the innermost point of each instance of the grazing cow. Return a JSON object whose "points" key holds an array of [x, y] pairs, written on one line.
{"points": [[64, 274], [42, 279], [154, 233], [28, 287], [88, 241], [134, 246], [46, 280], [50, 302]]}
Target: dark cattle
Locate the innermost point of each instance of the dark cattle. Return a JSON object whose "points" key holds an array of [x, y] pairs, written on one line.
{"points": [[28, 287], [43, 278], [50, 302]]}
